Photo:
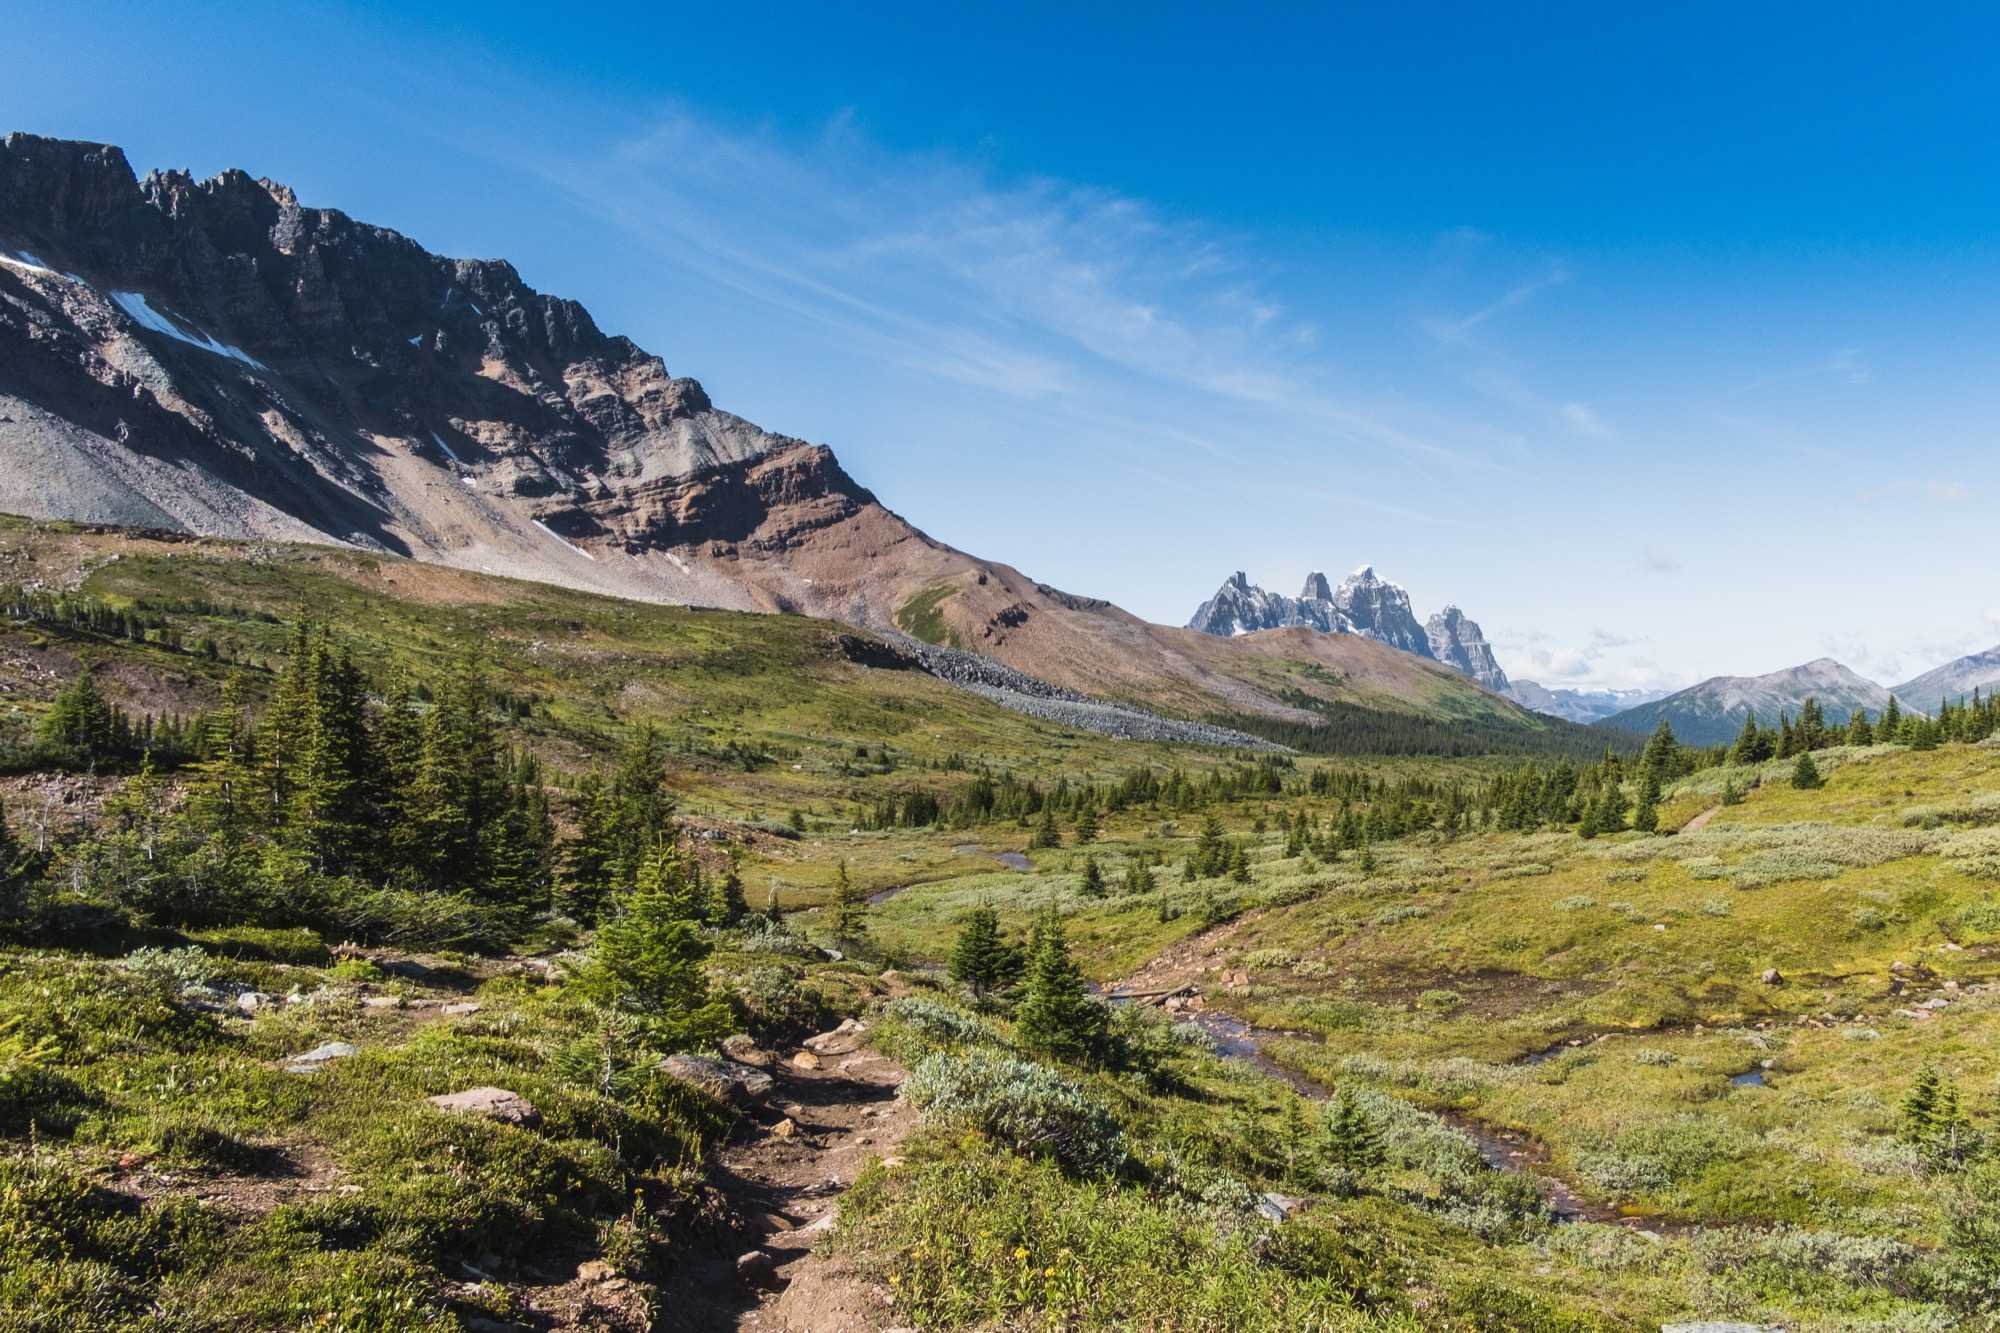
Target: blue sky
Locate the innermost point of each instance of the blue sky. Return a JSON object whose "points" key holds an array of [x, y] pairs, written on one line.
{"points": [[1665, 346]]}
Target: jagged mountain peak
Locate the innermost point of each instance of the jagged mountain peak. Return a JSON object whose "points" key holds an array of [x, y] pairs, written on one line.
{"points": [[1364, 603]]}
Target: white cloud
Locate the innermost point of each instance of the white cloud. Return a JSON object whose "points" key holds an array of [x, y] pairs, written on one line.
{"points": [[1844, 364], [1090, 304]]}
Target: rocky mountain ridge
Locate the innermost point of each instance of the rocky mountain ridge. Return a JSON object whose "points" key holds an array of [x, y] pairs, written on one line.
{"points": [[1954, 681], [214, 357], [1712, 712], [1364, 604]]}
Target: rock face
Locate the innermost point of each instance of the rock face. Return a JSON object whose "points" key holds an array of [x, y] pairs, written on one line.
{"points": [[738, 1084], [1364, 604], [1458, 642], [1712, 712], [319, 1057], [1954, 681], [1239, 607], [1381, 610]]}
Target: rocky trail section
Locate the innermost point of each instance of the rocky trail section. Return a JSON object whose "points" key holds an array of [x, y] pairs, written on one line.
{"points": [[826, 1112]]}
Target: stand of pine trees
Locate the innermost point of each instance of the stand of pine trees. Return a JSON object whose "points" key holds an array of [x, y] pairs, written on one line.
{"points": [[395, 811]]}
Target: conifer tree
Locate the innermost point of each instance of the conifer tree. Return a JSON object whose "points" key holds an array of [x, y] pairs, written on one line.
{"points": [[1805, 773], [1890, 726], [726, 904], [1138, 879], [1239, 864], [1646, 813], [981, 960], [80, 725], [1348, 1139], [849, 915], [1933, 1123], [646, 961], [1086, 824], [1055, 1016], [1046, 833], [1092, 884], [1859, 730]]}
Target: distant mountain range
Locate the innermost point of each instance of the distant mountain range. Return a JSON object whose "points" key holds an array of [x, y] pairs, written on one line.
{"points": [[1712, 712], [1954, 680], [1584, 706], [1364, 604]]}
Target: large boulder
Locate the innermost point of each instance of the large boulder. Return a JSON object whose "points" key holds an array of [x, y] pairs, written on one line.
{"points": [[727, 1080]]}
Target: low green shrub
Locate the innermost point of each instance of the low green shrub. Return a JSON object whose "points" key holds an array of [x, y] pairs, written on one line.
{"points": [[1029, 1107]]}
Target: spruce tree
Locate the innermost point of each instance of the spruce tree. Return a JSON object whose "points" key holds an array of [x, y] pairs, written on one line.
{"points": [[849, 913], [646, 961], [1933, 1123], [1805, 773], [726, 905], [1046, 833], [1348, 1139], [1056, 1017], [981, 960], [1092, 883], [1646, 814], [1086, 824]]}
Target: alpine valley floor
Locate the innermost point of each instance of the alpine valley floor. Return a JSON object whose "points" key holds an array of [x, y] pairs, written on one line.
{"points": [[1380, 1063]]}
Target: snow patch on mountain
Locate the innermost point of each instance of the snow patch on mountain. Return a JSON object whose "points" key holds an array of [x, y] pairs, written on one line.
{"points": [[143, 314]]}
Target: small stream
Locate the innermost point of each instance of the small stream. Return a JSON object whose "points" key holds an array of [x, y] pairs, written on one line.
{"points": [[1501, 1149], [1012, 860]]}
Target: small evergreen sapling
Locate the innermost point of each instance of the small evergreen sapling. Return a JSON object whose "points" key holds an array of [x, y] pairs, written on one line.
{"points": [[981, 960], [1056, 1017], [850, 908]]}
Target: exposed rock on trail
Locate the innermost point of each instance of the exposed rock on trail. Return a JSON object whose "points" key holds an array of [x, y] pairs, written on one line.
{"points": [[786, 1185]]}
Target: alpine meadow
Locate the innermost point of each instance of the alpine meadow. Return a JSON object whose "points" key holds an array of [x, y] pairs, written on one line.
{"points": [[494, 840]]}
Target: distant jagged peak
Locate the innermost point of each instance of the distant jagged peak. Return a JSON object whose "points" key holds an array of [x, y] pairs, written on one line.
{"points": [[1317, 588]]}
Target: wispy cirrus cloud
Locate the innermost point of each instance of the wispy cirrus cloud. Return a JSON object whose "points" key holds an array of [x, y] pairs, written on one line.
{"points": [[1844, 364], [1084, 303], [1456, 328]]}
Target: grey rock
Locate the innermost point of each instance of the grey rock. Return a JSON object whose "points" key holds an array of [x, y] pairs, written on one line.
{"points": [[493, 1103], [1277, 1207], [755, 1266], [319, 1057], [727, 1080], [463, 1007]]}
